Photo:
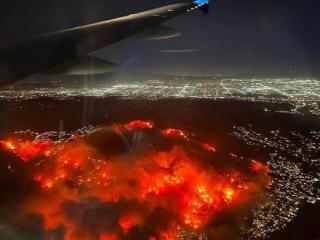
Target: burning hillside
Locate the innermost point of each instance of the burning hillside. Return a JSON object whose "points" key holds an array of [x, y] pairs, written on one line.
{"points": [[132, 181]]}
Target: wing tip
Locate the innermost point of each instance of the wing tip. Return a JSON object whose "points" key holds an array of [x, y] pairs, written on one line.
{"points": [[203, 5], [201, 2]]}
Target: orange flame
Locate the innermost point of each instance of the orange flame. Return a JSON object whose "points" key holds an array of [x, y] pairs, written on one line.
{"points": [[171, 132], [26, 150], [138, 125], [259, 167], [209, 147], [172, 180]]}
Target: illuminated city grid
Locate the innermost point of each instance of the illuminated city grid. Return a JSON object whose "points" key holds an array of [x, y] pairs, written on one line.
{"points": [[299, 92]]}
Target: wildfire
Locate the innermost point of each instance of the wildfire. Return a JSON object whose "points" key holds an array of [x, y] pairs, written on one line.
{"points": [[229, 193], [26, 150], [171, 132], [8, 145], [138, 125], [129, 220], [172, 181], [108, 237], [259, 167], [208, 147]]}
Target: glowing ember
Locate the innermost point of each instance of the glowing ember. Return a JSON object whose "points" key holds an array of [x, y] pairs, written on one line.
{"points": [[129, 220], [208, 147], [8, 145], [78, 181], [106, 237], [259, 167], [26, 150], [138, 124], [170, 132], [229, 193]]}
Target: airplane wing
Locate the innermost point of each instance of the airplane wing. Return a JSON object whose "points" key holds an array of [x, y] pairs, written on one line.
{"points": [[48, 51]]}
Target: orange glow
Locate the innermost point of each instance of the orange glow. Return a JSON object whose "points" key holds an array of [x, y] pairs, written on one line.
{"points": [[26, 150], [229, 193], [174, 181], [208, 147], [48, 184], [259, 167], [10, 146], [138, 125], [129, 220], [171, 132], [108, 237]]}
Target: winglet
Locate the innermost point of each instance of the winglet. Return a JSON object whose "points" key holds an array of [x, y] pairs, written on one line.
{"points": [[203, 5]]}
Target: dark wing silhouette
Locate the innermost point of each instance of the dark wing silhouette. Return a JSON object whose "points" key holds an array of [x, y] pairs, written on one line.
{"points": [[45, 52]]}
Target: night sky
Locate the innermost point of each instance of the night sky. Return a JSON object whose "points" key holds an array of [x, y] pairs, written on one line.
{"points": [[252, 37]]}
